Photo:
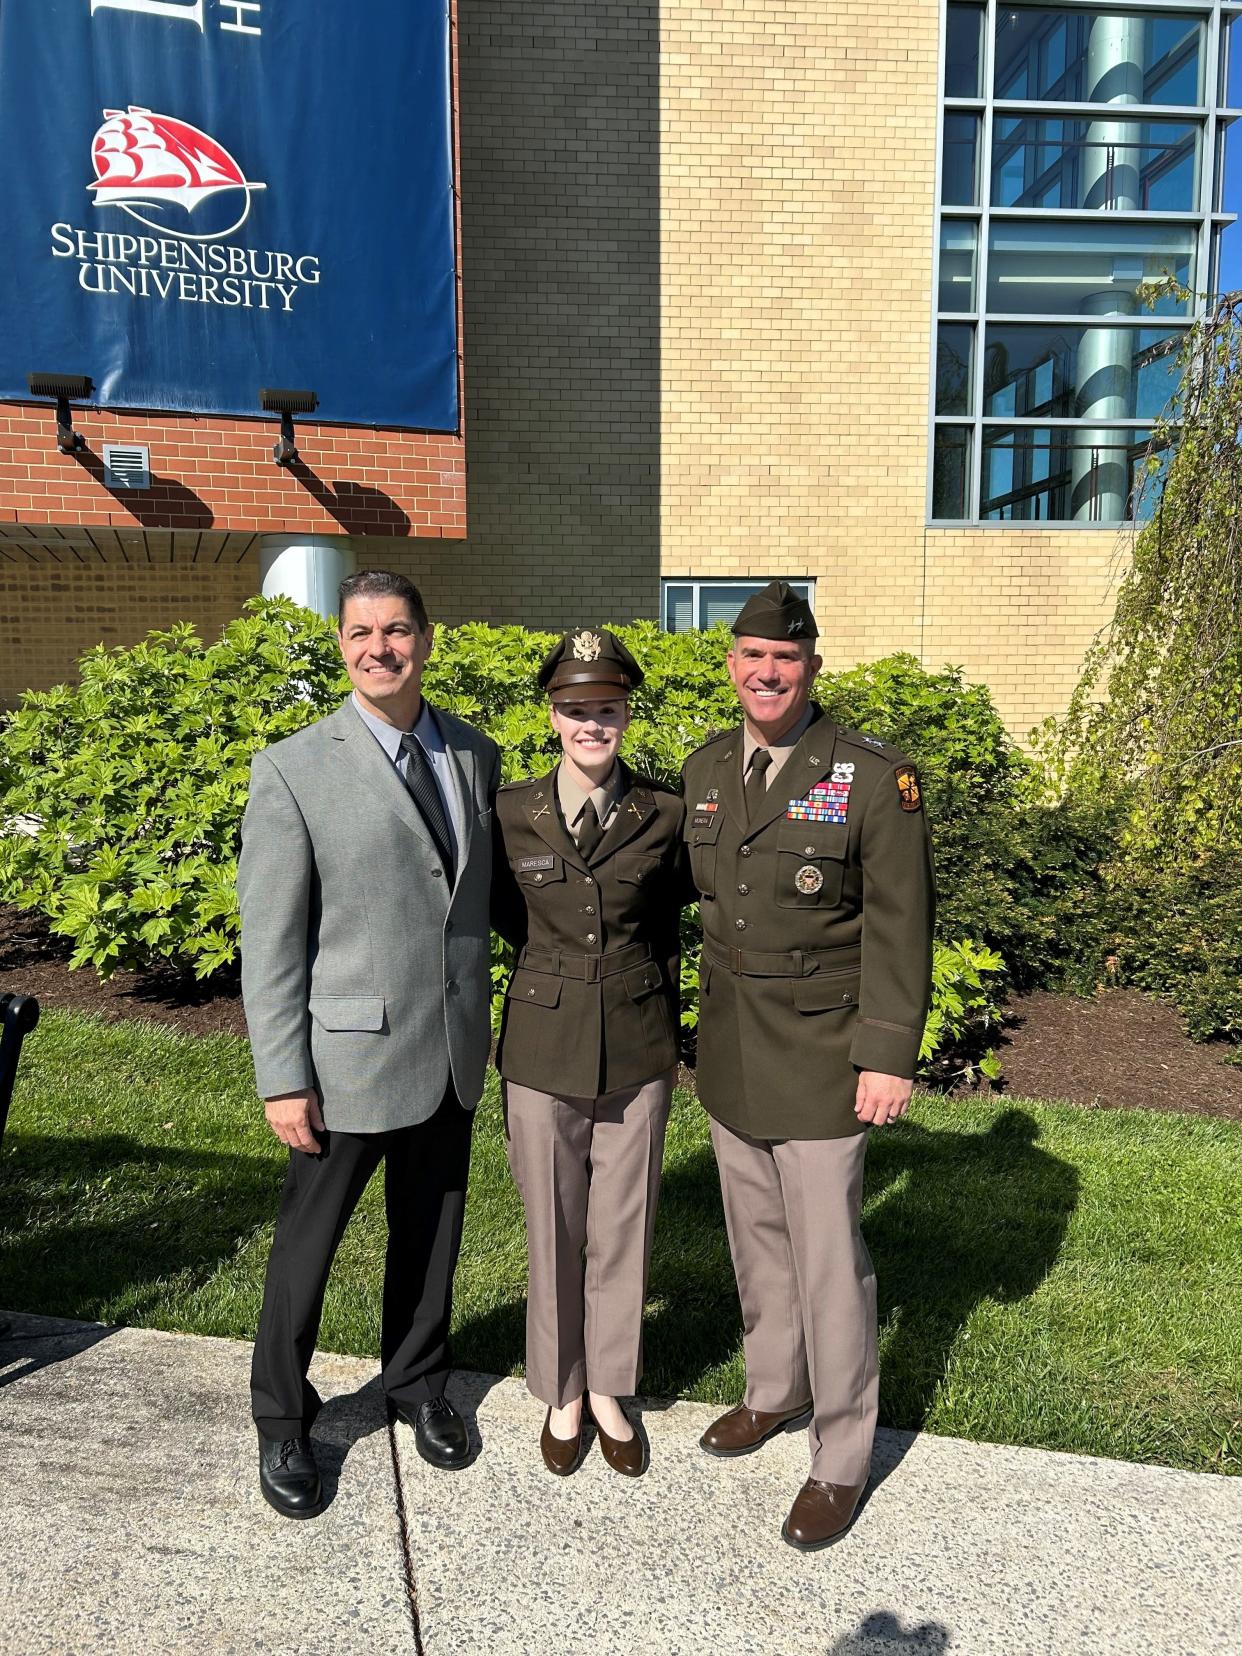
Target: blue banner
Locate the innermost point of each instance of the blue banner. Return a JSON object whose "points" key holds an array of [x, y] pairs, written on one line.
{"points": [[204, 197]]}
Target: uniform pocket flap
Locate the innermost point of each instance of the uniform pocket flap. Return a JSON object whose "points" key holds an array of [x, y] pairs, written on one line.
{"points": [[814, 839], [347, 1011], [535, 988], [642, 980], [634, 867], [826, 994], [541, 870]]}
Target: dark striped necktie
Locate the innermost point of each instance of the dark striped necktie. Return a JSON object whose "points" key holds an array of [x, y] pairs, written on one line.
{"points": [[426, 795]]}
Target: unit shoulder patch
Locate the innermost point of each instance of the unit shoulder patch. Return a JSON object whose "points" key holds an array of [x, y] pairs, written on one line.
{"points": [[908, 787]]}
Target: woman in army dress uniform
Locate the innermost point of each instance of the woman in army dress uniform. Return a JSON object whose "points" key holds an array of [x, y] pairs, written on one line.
{"points": [[588, 889]]}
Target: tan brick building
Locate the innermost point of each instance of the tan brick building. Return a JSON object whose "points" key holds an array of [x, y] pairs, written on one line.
{"points": [[707, 339]]}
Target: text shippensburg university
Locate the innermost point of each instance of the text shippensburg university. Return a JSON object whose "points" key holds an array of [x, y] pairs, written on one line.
{"points": [[209, 200]]}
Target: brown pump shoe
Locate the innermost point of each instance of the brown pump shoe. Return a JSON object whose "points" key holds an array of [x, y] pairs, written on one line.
{"points": [[561, 1455], [630, 1458], [743, 1430], [821, 1514]]}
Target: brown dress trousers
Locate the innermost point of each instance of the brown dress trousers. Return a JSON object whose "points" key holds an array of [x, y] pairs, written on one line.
{"points": [[587, 1054]]}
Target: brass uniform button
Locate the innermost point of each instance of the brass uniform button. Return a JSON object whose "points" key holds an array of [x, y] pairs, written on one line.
{"points": [[740, 924], [746, 850], [743, 891], [590, 937]]}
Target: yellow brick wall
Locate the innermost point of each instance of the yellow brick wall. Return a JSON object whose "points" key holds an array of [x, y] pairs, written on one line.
{"points": [[797, 147], [51, 612]]}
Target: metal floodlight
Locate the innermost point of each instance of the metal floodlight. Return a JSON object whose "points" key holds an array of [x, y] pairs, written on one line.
{"points": [[63, 387], [286, 404]]}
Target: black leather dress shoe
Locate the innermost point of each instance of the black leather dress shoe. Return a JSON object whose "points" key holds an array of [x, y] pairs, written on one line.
{"points": [[440, 1434], [289, 1477]]}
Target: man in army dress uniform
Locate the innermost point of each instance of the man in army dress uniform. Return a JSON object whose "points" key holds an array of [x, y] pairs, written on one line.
{"points": [[810, 853]]}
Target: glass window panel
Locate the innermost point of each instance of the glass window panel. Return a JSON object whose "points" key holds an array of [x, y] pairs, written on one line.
{"points": [[1230, 91], [1042, 267], [1079, 373], [958, 249], [963, 58], [722, 602], [951, 472], [953, 368], [959, 185], [1113, 165], [1227, 240], [1098, 56], [678, 608], [1055, 474]]}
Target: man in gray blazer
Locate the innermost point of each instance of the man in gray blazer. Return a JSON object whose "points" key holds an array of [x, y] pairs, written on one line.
{"points": [[363, 883]]}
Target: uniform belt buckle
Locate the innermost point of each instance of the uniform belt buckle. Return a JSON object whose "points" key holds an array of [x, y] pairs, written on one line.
{"points": [[735, 961], [592, 973]]}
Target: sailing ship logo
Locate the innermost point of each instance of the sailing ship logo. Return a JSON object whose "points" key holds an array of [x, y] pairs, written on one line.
{"points": [[144, 160]]}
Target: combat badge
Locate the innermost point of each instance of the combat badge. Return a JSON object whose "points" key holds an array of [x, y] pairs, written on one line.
{"points": [[908, 788], [808, 879]]}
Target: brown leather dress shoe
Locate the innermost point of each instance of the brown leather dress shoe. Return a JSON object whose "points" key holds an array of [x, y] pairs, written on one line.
{"points": [[743, 1430], [821, 1514], [561, 1455], [630, 1458]]}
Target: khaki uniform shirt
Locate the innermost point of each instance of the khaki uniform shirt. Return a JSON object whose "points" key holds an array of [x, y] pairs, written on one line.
{"points": [[572, 800], [817, 927], [593, 1004]]}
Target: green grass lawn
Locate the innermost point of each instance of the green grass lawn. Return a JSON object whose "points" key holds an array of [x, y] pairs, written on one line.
{"points": [[1048, 1276]]}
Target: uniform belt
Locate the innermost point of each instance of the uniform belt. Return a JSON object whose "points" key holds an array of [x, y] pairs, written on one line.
{"points": [[790, 963], [588, 967]]}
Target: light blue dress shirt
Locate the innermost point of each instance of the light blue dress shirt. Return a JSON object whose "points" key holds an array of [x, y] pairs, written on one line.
{"points": [[443, 767]]}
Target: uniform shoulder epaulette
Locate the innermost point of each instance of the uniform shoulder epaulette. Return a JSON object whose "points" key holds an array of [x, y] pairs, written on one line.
{"points": [[871, 744], [521, 782], [653, 784], [710, 741]]}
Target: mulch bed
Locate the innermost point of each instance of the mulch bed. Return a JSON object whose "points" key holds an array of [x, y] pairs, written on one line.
{"points": [[33, 962], [1120, 1050]]}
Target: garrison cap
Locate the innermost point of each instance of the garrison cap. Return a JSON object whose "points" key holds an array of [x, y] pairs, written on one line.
{"points": [[589, 664], [776, 612]]}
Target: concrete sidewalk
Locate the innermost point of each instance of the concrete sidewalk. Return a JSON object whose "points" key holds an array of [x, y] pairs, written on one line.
{"points": [[133, 1523]]}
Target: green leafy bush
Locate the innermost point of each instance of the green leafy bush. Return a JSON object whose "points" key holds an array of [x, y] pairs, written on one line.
{"points": [[123, 798]]}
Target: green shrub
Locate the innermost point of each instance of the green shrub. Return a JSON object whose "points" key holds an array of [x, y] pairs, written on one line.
{"points": [[124, 796], [127, 792]]}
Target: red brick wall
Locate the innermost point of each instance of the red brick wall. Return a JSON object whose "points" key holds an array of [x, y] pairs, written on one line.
{"points": [[210, 473]]}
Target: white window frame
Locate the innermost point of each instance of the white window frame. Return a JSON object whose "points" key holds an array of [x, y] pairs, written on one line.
{"points": [[746, 585]]}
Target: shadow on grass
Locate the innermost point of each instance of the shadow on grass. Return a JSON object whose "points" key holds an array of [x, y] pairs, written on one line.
{"points": [[951, 1219], [112, 1229], [96, 1228]]}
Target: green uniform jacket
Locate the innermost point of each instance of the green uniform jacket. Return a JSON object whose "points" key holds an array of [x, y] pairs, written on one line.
{"points": [[816, 932], [593, 1004]]}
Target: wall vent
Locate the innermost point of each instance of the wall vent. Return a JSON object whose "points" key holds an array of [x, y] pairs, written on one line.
{"points": [[126, 466]]}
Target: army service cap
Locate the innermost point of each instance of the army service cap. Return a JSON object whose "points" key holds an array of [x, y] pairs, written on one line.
{"points": [[589, 664], [776, 612]]}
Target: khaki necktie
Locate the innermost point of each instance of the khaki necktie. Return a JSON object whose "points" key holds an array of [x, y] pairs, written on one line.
{"points": [[757, 781]]}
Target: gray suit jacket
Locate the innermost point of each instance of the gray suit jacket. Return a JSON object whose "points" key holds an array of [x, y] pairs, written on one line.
{"points": [[364, 974]]}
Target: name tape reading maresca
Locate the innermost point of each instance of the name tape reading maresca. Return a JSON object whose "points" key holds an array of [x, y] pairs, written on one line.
{"points": [[214, 195]]}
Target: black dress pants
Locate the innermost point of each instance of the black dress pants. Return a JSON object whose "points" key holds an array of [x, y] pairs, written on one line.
{"points": [[425, 1171]]}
